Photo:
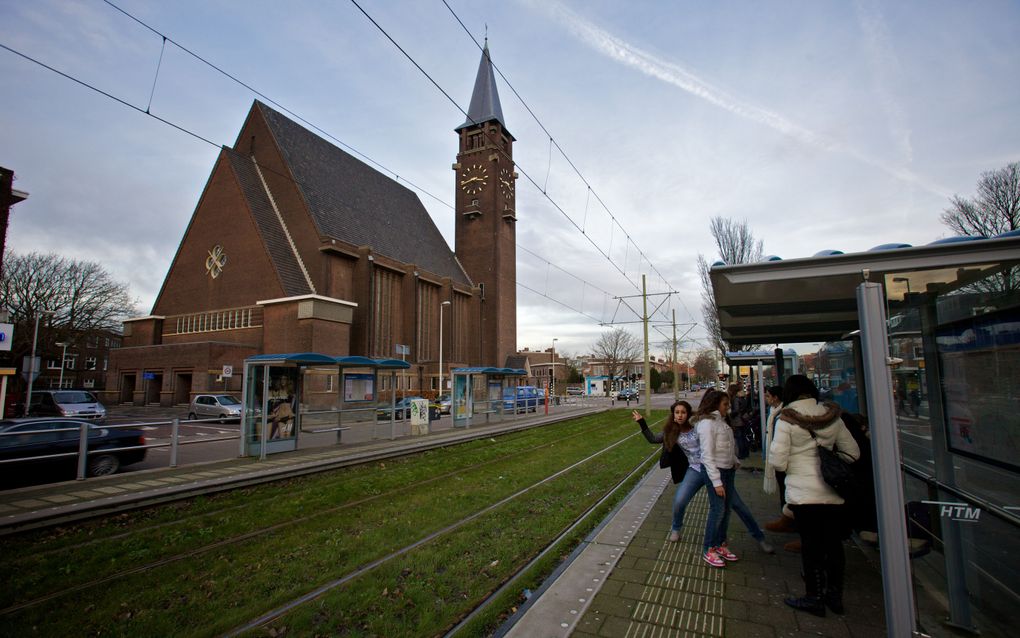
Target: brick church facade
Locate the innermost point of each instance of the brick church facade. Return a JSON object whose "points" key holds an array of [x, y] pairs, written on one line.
{"points": [[296, 246]]}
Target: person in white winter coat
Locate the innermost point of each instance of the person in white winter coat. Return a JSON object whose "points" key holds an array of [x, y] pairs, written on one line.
{"points": [[818, 509]]}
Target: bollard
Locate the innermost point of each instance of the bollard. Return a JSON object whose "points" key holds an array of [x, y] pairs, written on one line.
{"points": [[83, 450], [175, 427]]}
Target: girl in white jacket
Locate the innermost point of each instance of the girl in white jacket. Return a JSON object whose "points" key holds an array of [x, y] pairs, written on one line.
{"points": [[818, 509]]}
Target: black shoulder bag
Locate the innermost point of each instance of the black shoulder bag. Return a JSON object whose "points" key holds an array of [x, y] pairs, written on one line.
{"points": [[835, 470]]}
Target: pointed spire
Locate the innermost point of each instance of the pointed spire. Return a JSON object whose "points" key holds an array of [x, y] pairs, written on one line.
{"points": [[485, 99]]}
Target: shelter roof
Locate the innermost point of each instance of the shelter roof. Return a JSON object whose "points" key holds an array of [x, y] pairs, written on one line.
{"points": [[815, 298]]}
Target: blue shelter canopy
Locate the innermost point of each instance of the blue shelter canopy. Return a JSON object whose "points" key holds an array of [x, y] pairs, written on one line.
{"points": [[510, 372]]}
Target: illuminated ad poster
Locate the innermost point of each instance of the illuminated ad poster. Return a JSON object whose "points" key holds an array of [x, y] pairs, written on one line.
{"points": [[980, 360], [460, 403], [359, 387]]}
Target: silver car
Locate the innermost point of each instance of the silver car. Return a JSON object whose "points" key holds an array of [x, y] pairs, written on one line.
{"points": [[80, 404], [217, 406]]}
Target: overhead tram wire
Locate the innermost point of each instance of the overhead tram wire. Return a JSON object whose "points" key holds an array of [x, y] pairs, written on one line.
{"points": [[553, 142], [366, 157], [265, 97], [147, 111], [491, 139]]}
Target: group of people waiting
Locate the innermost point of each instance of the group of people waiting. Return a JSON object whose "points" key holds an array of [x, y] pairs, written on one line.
{"points": [[700, 449]]}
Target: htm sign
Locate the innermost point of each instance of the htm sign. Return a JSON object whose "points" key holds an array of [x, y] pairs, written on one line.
{"points": [[957, 511]]}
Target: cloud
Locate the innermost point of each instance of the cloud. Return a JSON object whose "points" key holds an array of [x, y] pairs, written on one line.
{"points": [[674, 74]]}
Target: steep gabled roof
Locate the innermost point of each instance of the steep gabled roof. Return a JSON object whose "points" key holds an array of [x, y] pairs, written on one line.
{"points": [[352, 202], [484, 99], [281, 253]]}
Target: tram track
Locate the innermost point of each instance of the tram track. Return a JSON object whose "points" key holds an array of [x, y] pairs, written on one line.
{"points": [[582, 429], [318, 592]]}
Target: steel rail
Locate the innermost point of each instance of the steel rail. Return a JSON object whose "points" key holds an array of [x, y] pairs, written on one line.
{"points": [[265, 530], [333, 584]]}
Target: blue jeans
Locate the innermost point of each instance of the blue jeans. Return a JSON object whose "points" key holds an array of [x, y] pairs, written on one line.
{"points": [[716, 505], [685, 491], [734, 503]]}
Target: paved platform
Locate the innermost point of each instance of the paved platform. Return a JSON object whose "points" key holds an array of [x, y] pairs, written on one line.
{"points": [[629, 581]]}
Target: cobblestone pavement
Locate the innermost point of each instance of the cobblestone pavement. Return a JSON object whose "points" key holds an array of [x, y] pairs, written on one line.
{"points": [[659, 588]]}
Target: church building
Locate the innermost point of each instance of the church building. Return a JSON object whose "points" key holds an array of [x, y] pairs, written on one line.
{"points": [[297, 246]]}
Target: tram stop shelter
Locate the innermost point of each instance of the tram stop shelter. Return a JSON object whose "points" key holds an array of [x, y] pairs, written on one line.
{"points": [[307, 392], [478, 392], [951, 311]]}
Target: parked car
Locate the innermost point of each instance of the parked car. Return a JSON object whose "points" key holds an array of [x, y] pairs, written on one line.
{"points": [[38, 437], [80, 404], [444, 402], [222, 406], [575, 390], [523, 398], [627, 394], [403, 409]]}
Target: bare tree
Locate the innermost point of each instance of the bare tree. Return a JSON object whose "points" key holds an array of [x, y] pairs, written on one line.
{"points": [[82, 296], [614, 349], [736, 245], [705, 365], [995, 210]]}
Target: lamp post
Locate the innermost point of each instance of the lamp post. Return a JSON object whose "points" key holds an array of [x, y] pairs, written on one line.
{"points": [[552, 369], [31, 366], [903, 280], [442, 307], [63, 362]]}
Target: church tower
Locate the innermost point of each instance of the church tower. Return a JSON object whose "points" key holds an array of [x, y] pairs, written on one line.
{"points": [[485, 241]]}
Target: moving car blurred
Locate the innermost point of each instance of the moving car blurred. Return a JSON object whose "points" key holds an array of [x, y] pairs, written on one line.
{"points": [[627, 394], [221, 406], [32, 438], [80, 404], [575, 390]]}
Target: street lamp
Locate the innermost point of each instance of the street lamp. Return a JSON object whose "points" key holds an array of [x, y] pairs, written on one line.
{"points": [[63, 361], [552, 369], [442, 307], [31, 366]]}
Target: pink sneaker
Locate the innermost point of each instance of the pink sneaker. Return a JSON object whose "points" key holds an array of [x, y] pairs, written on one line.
{"points": [[725, 553], [713, 559]]}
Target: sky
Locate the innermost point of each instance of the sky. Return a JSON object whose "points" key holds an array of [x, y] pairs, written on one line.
{"points": [[824, 125]]}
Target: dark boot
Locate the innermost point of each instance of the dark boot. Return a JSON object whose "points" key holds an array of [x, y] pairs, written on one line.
{"points": [[814, 583], [833, 598], [812, 605]]}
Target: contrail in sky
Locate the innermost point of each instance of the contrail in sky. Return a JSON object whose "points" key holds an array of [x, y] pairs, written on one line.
{"points": [[625, 53]]}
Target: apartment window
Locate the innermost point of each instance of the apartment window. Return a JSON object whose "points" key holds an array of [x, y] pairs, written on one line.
{"points": [[92, 341], [71, 362], [52, 364], [90, 363]]}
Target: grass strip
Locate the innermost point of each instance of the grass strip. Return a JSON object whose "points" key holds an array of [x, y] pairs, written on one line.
{"points": [[82, 557], [222, 590]]}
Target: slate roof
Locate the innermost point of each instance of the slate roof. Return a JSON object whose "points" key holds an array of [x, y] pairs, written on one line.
{"points": [[280, 251], [352, 202], [484, 99]]}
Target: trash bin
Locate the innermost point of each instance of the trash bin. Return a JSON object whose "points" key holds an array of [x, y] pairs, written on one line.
{"points": [[434, 413]]}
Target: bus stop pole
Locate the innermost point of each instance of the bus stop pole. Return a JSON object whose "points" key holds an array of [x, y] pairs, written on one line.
{"points": [[885, 452]]}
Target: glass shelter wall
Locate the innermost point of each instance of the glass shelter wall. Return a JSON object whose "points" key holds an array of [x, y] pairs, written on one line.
{"points": [[955, 345]]}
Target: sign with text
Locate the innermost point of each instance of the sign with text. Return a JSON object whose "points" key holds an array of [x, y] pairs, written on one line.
{"points": [[6, 336]]}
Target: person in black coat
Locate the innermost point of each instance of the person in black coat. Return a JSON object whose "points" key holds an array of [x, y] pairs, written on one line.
{"points": [[681, 453]]}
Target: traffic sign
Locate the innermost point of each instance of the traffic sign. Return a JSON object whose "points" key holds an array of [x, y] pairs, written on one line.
{"points": [[228, 371], [6, 336]]}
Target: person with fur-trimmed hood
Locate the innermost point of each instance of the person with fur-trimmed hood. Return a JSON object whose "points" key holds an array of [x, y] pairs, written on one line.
{"points": [[821, 520]]}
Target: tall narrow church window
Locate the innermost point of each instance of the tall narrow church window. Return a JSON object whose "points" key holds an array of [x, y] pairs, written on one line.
{"points": [[384, 312], [428, 322]]}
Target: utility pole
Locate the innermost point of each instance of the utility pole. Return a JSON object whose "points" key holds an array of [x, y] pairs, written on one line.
{"points": [[676, 367], [648, 376]]}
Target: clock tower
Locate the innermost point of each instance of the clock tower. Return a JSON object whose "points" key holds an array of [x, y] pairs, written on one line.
{"points": [[485, 241]]}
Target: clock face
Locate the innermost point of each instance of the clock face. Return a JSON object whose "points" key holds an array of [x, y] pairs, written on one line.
{"points": [[473, 179], [506, 183]]}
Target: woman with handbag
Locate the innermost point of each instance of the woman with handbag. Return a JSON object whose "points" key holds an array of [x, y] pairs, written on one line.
{"points": [[681, 453], [803, 427]]}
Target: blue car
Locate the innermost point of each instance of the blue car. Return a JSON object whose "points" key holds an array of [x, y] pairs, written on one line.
{"points": [[528, 398]]}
